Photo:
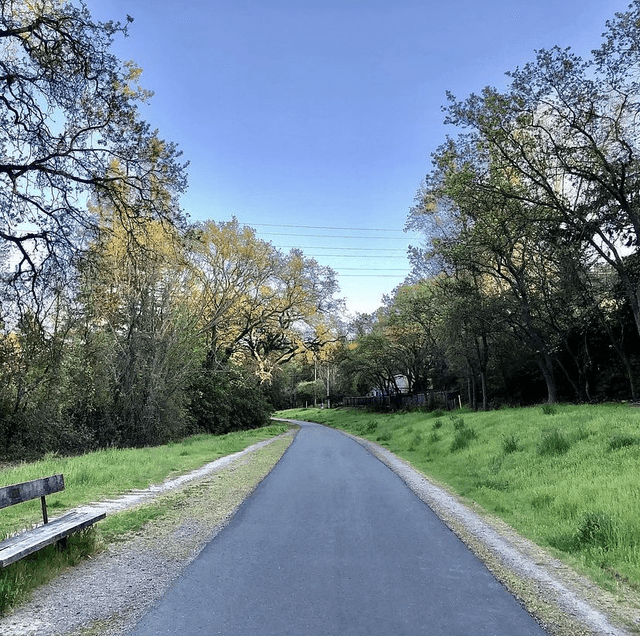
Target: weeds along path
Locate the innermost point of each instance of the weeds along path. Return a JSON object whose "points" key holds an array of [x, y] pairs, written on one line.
{"points": [[107, 594]]}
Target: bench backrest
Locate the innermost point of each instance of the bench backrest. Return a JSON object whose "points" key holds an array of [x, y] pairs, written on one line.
{"points": [[17, 493]]}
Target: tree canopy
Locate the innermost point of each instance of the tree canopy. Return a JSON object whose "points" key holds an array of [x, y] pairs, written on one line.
{"points": [[70, 131]]}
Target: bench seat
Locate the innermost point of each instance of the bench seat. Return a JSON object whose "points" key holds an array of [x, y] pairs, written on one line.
{"points": [[15, 548]]}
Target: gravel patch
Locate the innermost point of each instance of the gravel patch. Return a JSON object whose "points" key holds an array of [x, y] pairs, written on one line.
{"points": [[109, 593]]}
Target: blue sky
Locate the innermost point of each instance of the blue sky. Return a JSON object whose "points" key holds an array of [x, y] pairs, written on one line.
{"points": [[303, 119]]}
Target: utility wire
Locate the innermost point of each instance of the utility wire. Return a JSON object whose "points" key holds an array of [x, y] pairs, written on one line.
{"points": [[323, 227], [368, 275], [334, 236], [338, 247], [354, 256]]}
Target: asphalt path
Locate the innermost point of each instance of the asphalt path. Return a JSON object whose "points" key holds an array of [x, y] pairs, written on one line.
{"points": [[333, 543]]}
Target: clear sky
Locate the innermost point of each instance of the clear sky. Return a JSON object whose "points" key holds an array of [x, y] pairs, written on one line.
{"points": [[313, 121]]}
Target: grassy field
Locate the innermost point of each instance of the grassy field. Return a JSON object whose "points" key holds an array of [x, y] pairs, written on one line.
{"points": [[101, 475], [567, 477]]}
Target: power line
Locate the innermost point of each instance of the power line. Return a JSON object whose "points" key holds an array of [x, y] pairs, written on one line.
{"points": [[338, 247], [322, 227], [354, 256], [368, 275], [334, 236]]}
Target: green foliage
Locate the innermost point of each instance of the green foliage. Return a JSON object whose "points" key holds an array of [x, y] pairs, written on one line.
{"points": [[310, 391], [596, 529], [415, 441], [458, 422], [623, 440], [434, 437], [225, 399], [463, 436], [553, 443], [370, 427], [509, 444], [530, 290]]}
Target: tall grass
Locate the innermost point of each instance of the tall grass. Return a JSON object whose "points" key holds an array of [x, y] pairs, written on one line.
{"points": [[103, 474], [567, 477]]}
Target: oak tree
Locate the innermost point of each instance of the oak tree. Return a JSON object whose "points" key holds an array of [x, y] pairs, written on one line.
{"points": [[68, 111]]}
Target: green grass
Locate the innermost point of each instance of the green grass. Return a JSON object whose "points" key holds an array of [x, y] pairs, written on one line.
{"points": [[103, 474], [567, 477], [97, 476]]}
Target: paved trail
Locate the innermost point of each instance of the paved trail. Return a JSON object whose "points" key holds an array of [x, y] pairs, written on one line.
{"points": [[332, 543]]}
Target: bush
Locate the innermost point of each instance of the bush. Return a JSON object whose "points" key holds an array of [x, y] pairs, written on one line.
{"points": [[458, 423], [509, 444], [462, 438], [553, 443], [596, 530], [227, 401], [371, 427]]}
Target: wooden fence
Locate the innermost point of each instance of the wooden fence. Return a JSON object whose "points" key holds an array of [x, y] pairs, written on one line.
{"points": [[432, 399]]}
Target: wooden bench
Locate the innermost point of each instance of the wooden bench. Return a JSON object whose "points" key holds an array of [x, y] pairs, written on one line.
{"points": [[15, 548]]}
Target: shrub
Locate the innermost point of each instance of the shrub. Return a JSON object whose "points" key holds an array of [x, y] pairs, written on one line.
{"points": [[553, 443], [462, 438], [230, 401], [369, 427], [458, 423], [509, 444], [596, 529], [622, 441]]}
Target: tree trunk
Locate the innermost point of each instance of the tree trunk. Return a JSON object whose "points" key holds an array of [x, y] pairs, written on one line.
{"points": [[483, 383], [546, 367]]}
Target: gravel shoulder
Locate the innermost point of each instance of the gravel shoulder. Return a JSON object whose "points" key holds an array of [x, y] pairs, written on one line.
{"points": [[107, 595], [564, 602]]}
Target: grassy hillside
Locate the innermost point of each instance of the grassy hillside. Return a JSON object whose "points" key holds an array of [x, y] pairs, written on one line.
{"points": [[568, 477]]}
